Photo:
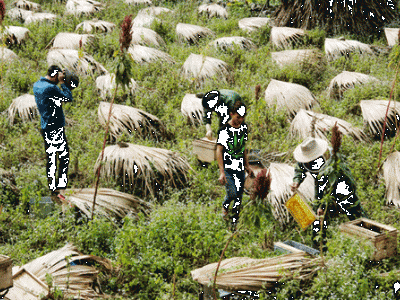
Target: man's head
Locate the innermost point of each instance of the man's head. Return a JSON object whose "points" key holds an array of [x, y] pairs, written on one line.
{"points": [[238, 113], [53, 73], [211, 100]]}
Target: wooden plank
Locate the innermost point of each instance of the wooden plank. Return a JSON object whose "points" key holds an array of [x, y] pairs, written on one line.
{"points": [[5, 272], [26, 286], [287, 247]]}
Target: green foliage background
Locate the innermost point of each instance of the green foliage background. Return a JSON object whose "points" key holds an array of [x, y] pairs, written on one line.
{"points": [[185, 230]]}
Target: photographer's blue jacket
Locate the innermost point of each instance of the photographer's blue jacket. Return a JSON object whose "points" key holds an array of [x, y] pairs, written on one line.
{"points": [[49, 98]]}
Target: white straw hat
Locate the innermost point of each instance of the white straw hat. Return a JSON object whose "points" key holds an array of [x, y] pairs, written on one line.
{"points": [[310, 149]]}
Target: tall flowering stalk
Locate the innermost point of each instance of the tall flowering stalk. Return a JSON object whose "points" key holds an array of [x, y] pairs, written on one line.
{"points": [[123, 74]]}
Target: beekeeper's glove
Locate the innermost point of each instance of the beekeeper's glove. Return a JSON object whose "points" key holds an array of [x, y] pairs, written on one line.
{"points": [[209, 131]]}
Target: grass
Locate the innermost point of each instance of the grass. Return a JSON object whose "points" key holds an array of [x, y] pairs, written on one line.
{"points": [[185, 230]]}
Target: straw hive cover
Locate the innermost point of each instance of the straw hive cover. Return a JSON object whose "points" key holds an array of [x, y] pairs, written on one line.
{"points": [[302, 123], [289, 96], [25, 106], [74, 278], [254, 23], [244, 273], [374, 111], [109, 203], [391, 173], [281, 180], [192, 108]]}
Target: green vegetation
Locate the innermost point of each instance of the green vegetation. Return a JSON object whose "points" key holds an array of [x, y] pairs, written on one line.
{"points": [[153, 256]]}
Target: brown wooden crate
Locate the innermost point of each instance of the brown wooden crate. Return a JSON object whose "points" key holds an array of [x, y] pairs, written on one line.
{"points": [[383, 237], [5, 272], [205, 149]]}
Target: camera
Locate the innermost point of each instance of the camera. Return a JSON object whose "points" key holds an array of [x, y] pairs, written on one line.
{"points": [[71, 80]]}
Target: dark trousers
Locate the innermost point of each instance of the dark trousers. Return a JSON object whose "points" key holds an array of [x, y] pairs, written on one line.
{"points": [[352, 212], [56, 146], [234, 192]]}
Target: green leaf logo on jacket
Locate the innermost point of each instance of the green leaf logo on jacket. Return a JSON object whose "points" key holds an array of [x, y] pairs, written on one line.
{"points": [[237, 149]]}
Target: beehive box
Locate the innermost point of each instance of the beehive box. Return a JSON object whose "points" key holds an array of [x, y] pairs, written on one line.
{"points": [[205, 149], [383, 237], [6, 280]]}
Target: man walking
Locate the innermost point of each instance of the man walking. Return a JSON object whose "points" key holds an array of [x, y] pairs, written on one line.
{"points": [[49, 98], [232, 159], [221, 102]]}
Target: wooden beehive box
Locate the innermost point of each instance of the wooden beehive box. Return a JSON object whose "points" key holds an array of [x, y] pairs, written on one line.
{"points": [[383, 237], [205, 149], [6, 280]]}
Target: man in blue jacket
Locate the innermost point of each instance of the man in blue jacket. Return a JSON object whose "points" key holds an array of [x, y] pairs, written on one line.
{"points": [[49, 98]]}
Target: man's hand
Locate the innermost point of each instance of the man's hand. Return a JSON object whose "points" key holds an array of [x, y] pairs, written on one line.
{"points": [[222, 178], [209, 131], [294, 186], [61, 77], [320, 212]]}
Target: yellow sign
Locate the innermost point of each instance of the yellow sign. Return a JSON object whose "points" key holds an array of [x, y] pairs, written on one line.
{"points": [[300, 211]]}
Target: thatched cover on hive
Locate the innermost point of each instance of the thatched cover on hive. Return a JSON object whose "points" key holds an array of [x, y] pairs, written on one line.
{"points": [[95, 26], [358, 17], [192, 33], [302, 123], [146, 37], [40, 17], [231, 42], [244, 273], [254, 23], [374, 111], [199, 67], [143, 163], [109, 203], [137, 2], [391, 173], [78, 7], [348, 80], [285, 37], [19, 14], [281, 180], [392, 36], [25, 106], [192, 108], [143, 54], [288, 57], [128, 119], [213, 10], [75, 279], [15, 34], [28, 5], [69, 40], [143, 20], [69, 58], [154, 10], [7, 55], [335, 48], [289, 96], [106, 85]]}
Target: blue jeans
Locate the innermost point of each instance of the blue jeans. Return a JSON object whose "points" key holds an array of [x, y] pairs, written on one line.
{"points": [[234, 191]]}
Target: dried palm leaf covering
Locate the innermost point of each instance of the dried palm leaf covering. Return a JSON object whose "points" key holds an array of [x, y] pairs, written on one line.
{"points": [[153, 168], [192, 108], [109, 203], [249, 274], [199, 68], [289, 96], [95, 26], [213, 10], [70, 59], [128, 119], [374, 112], [302, 126], [192, 33], [230, 42], [348, 80], [26, 108], [285, 37]]}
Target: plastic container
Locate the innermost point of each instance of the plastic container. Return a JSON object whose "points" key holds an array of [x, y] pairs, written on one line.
{"points": [[41, 208]]}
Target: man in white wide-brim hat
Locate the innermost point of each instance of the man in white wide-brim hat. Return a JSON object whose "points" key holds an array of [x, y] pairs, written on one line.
{"points": [[313, 156]]}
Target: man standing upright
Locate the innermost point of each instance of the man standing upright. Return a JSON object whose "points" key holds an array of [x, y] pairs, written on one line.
{"points": [[232, 159], [49, 98], [220, 101]]}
